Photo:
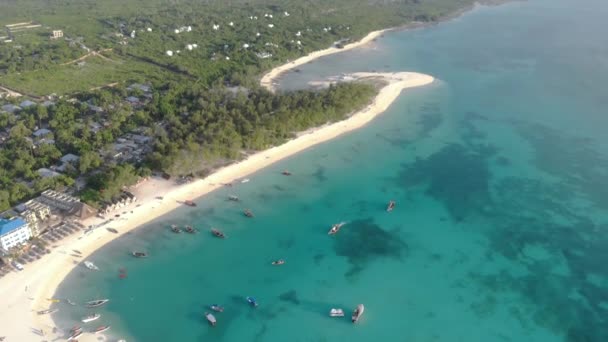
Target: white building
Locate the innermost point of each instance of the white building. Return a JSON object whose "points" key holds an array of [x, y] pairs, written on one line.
{"points": [[13, 233]]}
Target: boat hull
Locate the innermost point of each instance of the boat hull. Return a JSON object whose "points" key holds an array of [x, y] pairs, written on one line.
{"points": [[357, 313]]}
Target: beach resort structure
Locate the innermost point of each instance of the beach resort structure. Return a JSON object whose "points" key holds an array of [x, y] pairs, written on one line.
{"points": [[123, 200], [13, 233], [34, 213], [56, 34], [58, 200]]}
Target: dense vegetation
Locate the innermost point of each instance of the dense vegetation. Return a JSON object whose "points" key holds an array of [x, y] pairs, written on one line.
{"points": [[201, 128], [194, 130], [196, 122]]}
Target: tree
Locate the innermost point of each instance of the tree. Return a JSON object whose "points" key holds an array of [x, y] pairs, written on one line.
{"points": [[42, 114], [4, 200], [88, 160]]}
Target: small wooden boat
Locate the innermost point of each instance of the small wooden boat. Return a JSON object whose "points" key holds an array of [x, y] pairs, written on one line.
{"points": [[175, 229], [335, 228], [91, 266], [233, 198], [217, 233], [252, 301], [248, 213], [90, 318], [101, 329], [139, 254], [48, 311], [189, 203], [75, 333], [210, 318], [286, 173], [191, 230], [278, 262], [357, 313], [216, 308], [96, 303], [336, 313], [391, 206]]}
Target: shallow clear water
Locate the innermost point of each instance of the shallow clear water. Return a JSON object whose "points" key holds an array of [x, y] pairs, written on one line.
{"points": [[500, 173]]}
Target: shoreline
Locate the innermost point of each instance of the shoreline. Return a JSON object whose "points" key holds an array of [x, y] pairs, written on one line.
{"points": [[269, 78], [42, 277]]}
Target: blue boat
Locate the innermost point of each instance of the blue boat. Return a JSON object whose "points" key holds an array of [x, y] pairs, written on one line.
{"points": [[252, 301]]}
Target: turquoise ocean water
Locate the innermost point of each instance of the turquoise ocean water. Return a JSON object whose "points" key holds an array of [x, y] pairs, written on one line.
{"points": [[500, 173]]}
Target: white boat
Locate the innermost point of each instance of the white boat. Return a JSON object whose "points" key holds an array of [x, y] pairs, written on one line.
{"points": [[335, 228], [210, 318], [91, 266], [336, 313], [90, 318], [246, 180], [357, 313], [96, 303]]}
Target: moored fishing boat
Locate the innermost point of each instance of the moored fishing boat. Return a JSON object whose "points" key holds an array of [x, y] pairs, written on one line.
{"points": [[190, 203], [75, 333], [97, 302], [336, 312], [139, 254], [191, 230], [217, 233], [175, 229], [246, 180], [252, 301], [91, 266], [391, 206], [48, 311], [210, 318], [248, 213], [90, 318], [286, 173], [216, 308], [101, 329], [278, 262], [335, 228], [70, 302], [357, 313], [233, 198]]}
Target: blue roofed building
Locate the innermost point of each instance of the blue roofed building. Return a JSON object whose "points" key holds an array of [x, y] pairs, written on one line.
{"points": [[13, 233]]}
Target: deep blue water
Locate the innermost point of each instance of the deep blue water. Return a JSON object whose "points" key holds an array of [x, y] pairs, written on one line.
{"points": [[500, 173]]}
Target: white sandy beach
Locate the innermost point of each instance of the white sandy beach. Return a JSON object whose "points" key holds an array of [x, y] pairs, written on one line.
{"points": [[269, 78], [25, 292]]}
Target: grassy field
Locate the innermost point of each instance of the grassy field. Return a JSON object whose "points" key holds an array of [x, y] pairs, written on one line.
{"points": [[95, 72]]}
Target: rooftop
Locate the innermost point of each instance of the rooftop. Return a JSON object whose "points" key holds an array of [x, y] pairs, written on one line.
{"points": [[11, 108], [27, 103], [41, 132], [7, 226], [69, 158], [47, 173]]}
